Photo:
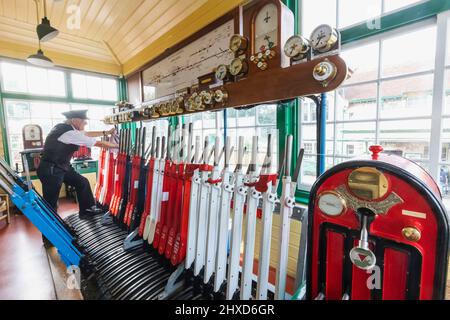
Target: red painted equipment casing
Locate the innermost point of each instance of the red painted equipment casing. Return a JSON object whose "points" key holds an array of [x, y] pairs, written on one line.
{"points": [[410, 265]]}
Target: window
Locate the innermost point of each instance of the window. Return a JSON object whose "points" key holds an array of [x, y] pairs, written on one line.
{"points": [[388, 99], [22, 78], [93, 88], [45, 114], [258, 121]]}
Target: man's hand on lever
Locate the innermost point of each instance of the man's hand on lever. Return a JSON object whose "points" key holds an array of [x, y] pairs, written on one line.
{"points": [[106, 144]]}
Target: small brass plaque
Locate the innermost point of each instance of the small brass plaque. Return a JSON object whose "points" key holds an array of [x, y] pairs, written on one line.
{"points": [[368, 183]]}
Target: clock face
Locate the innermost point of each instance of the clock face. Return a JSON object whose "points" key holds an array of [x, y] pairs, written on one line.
{"points": [[295, 46], [236, 66], [221, 72], [266, 28], [32, 133], [320, 36]]}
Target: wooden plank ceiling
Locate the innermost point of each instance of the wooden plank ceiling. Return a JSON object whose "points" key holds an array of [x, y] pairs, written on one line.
{"points": [[112, 32]]}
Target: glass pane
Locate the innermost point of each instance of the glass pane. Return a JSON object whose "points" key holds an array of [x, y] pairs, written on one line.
{"points": [[407, 97], [15, 125], [109, 89], [209, 120], [266, 114], [37, 81], [448, 42], [411, 137], [14, 77], [40, 110], [447, 92], [444, 184], [231, 117], [57, 110], [79, 86], [17, 109], [445, 141], [354, 138], [56, 83], [311, 9], [363, 62], [357, 11], [357, 102], [410, 52], [391, 5], [246, 118], [94, 88], [308, 171]]}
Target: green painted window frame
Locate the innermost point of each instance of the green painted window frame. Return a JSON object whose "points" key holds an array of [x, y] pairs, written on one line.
{"points": [[69, 99], [287, 113]]}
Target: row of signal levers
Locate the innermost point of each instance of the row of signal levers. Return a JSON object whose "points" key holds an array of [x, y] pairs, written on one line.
{"points": [[181, 206]]}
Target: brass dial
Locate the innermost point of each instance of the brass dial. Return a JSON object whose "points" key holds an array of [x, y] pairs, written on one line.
{"points": [[238, 43], [238, 67], [324, 72]]}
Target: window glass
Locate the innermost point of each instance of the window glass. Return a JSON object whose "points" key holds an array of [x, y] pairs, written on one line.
{"points": [[45, 114], [94, 88], [109, 87], [445, 141], [447, 92], [326, 9], [407, 97], [56, 83], [411, 137], [444, 184], [354, 138], [356, 11], [79, 88], [358, 102], [391, 5], [410, 52], [362, 62], [37, 81], [14, 77]]}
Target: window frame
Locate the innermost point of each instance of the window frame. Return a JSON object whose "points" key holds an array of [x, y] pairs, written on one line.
{"points": [[67, 99], [396, 22]]}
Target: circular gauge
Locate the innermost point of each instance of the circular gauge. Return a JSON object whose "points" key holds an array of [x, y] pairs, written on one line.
{"points": [[237, 67], [324, 72], [253, 59], [238, 43], [221, 72], [174, 106], [220, 96], [179, 102], [188, 104], [331, 203], [260, 55], [207, 97], [296, 46], [323, 38], [198, 103]]}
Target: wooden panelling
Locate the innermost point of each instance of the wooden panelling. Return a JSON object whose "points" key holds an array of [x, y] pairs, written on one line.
{"points": [[294, 240]]}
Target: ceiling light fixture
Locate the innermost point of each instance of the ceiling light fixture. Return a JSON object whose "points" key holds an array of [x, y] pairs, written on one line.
{"points": [[39, 59], [44, 30]]}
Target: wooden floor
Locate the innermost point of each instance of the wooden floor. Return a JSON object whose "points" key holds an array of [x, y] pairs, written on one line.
{"points": [[29, 272]]}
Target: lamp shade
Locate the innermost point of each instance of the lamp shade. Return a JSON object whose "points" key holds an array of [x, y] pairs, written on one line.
{"points": [[45, 31], [39, 59]]}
